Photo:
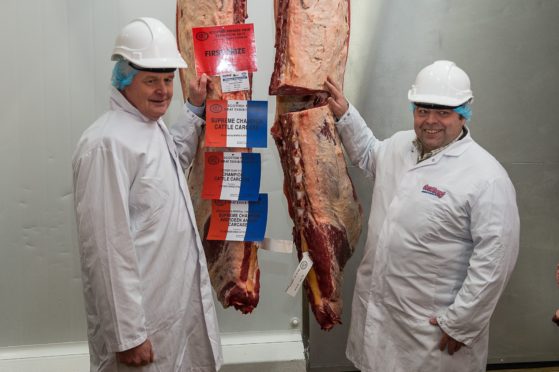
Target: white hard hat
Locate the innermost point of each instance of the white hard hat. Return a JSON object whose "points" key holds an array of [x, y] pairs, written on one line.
{"points": [[148, 43], [441, 83]]}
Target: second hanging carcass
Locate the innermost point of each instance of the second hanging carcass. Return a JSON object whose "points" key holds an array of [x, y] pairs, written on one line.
{"points": [[312, 40]]}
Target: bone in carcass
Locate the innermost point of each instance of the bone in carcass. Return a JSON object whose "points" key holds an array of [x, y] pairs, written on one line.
{"points": [[311, 43], [312, 39], [233, 266], [322, 203]]}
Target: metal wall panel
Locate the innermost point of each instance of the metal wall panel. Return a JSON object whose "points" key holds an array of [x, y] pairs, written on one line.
{"points": [[510, 49], [56, 75]]}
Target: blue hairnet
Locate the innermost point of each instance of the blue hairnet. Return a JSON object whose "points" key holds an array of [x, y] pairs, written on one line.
{"points": [[465, 110], [123, 74]]}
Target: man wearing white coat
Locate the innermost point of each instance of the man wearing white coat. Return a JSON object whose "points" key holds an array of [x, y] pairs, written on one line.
{"points": [[443, 233], [146, 286]]}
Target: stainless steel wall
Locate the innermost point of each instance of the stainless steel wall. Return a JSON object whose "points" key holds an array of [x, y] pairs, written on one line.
{"points": [[56, 68], [510, 49]]}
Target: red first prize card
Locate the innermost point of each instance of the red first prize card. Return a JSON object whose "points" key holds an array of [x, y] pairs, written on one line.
{"points": [[224, 49]]}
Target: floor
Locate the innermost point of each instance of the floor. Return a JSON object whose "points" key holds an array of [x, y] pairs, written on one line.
{"points": [[299, 366], [548, 369], [295, 366]]}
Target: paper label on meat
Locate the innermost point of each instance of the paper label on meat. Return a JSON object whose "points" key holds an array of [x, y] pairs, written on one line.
{"points": [[231, 176], [235, 82], [224, 49], [239, 220], [299, 275], [236, 123]]}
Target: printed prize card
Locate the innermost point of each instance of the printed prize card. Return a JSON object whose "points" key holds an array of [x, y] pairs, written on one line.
{"points": [[243, 221], [235, 82], [236, 123], [231, 176], [224, 49]]}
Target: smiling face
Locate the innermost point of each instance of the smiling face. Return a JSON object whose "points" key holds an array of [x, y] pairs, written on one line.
{"points": [[436, 128], [151, 93]]}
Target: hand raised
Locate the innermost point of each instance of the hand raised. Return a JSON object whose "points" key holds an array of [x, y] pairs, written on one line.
{"points": [[337, 102], [198, 89], [140, 355]]}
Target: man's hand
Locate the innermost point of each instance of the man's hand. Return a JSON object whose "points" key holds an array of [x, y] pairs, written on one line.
{"points": [[446, 341], [198, 89], [555, 318], [337, 102], [140, 355]]}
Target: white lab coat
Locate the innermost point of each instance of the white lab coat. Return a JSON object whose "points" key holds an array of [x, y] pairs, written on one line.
{"points": [[446, 250], [143, 266]]}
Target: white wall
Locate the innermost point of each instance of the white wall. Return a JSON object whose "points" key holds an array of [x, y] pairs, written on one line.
{"points": [[510, 49], [56, 72]]}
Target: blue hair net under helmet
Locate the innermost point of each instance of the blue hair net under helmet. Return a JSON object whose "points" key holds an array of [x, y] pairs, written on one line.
{"points": [[123, 74], [465, 110]]}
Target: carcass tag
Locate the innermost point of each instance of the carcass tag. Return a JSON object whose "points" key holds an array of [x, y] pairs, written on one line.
{"points": [[234, 82], [299, 275]]}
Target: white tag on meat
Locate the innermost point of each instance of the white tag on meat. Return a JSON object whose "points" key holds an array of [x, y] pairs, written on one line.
{"points": [[300, 274], [235, 82]]}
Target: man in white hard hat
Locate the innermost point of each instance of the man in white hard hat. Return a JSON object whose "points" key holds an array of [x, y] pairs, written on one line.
{"points": [[146, 286], [443, 233]]}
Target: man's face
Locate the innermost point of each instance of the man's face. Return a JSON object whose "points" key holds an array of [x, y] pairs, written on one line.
{"points": [[151, 92], [436, 128]]}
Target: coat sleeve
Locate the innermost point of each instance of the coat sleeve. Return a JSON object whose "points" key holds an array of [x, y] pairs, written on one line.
{"points": [[109, 265], [185, 133], [495, 234], [358, 140]]}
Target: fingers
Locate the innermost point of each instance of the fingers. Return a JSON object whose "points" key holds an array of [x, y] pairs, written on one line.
{"points": [[453, 346], [140, 355], [447, 342], [198, 88], [337, 102], [202, 84], [555, 318], [443, 342]]}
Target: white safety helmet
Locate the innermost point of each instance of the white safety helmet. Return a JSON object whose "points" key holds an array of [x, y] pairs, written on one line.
{"points": [[149, 44], [441, 83]]}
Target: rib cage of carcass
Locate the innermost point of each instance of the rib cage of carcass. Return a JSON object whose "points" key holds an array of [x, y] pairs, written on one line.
{"points": [[311, 44], [233, 266]]}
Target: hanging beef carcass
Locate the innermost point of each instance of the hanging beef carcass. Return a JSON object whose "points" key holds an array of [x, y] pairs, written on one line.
{"points": [[233, 266], [311, 43]]}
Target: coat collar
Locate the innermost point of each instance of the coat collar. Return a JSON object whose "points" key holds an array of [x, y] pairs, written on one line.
{"points": [[458, 147], [455, 149]]}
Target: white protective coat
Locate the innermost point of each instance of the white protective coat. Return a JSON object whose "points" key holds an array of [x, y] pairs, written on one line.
{"points": [[442, 241], [143, 266]]}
